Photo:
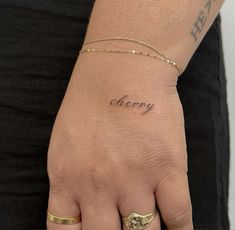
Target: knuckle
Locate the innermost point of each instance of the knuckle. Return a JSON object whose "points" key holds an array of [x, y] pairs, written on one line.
{"points": [[56, 170], [57, 183], [55, 174], [157, 162], [56, 177], [163, 161], [97, 178], [179, 216], [95, 181]]}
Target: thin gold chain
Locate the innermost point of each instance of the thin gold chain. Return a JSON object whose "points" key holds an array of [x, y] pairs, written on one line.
{"points": [[127, 39], [131, 52], [165, 58]]}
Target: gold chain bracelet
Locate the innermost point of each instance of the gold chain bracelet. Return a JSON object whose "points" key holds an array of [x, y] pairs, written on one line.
{"points": [[164, 57], [132, 52]]}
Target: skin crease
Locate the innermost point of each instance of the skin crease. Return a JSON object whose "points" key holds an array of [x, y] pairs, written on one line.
{"points": [[105, 161]]}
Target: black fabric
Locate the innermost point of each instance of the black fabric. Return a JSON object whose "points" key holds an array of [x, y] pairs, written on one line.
{"points": [[39, 44]]}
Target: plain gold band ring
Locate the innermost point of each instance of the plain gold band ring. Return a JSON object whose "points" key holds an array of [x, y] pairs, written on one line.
{"points": [[63, 220]]}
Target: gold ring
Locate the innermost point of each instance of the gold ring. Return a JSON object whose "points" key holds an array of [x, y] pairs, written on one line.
{"points": [[137, 221], [63, 220]]}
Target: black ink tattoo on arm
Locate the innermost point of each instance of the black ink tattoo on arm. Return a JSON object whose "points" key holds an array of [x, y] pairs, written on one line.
{"points": [[201, 20], [125, 102]]}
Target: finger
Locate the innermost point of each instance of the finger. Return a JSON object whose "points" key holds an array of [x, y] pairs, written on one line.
{"points": [[173, 199], [100, 213], [62, 205], [155, 223], [141, 201]]}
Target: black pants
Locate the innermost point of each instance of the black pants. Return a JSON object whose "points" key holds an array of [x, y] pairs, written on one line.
{"points": [[39, 44]]}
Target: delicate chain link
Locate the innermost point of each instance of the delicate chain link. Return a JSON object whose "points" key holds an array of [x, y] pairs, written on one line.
{"points": [[162, 58], [131, 52]]}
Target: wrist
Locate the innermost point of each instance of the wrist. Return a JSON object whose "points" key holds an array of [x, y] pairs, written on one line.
{"points": [[124, 71], [99, 87]]}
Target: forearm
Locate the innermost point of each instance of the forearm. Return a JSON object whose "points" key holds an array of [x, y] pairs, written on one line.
{"points": [[174, 27]]}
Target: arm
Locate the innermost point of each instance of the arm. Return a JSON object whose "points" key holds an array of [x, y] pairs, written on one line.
{"points": [[118, 143]]}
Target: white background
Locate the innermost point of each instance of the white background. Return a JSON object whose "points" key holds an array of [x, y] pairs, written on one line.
{"points": [[228, 29]]}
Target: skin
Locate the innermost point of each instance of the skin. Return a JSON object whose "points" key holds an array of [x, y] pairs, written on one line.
{"points": [[106, 160]]}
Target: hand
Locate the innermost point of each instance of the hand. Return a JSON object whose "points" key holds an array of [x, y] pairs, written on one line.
{"points": [[109, 156]]}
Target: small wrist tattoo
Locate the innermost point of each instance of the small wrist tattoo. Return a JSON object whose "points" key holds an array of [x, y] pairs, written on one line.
{"points": [[125, 102]]}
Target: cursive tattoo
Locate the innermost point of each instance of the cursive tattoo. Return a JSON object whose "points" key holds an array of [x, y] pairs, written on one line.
{"points": [[124, 101], [201, 20]]}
